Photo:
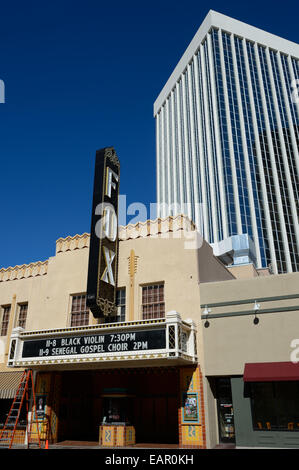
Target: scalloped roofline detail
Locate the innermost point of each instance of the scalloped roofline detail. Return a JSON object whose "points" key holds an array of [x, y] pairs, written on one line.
{"points": [[148, 228], [38, 268]]}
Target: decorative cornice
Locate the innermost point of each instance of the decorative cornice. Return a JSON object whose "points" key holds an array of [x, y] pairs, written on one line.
{"points": [[153, 228], [156, 228], [150, 228], [72, 243], [39, 268]]}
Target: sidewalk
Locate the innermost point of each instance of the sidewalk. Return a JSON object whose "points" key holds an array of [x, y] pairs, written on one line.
{"points": [[95, 445]]}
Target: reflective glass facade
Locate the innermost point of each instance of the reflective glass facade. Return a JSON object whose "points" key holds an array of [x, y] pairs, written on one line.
{"points": [[228, 146]]}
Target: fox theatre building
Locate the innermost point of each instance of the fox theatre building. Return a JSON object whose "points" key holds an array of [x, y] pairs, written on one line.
{"points": [[111, 328]]}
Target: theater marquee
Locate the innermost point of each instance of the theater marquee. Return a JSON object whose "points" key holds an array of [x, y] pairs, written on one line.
{"points": [[96, 344], [103, 251], [164, 340]]}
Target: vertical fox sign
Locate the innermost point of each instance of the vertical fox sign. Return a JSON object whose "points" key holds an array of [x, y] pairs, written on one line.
{"points": [[103, 250]]}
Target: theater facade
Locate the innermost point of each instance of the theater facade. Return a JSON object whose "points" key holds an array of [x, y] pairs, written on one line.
{"points": [[141, 368], [197, 355], [140, 335]]}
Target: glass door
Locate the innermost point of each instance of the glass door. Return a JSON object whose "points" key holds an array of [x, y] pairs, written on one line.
{"points": [[225, 410]]}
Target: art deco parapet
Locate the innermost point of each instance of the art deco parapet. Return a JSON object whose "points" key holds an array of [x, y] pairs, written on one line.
{"points": [[152, 228], [166, 341], [72, 243], [39, 268], [156, 228], [175, 225]]}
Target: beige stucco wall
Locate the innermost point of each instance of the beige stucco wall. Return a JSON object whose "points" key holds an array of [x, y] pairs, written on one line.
{"points": [[230, 342], [193, 277], [166, 259]]}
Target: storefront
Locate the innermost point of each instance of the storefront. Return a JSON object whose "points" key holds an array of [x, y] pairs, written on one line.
{"points": [[267, 405], [257, 413], [252, 385]]}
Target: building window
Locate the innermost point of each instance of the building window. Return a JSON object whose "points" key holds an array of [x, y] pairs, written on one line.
{"points": [[23, 309], [275, 406], [153, 305], [79, 311], [120, 307], [5, 320], [121, 304]]}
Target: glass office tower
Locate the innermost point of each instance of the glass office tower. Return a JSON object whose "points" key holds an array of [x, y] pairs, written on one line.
{"points": [[227, 139]]}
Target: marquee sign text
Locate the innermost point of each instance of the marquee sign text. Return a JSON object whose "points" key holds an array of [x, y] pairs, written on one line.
{"points": [[96, 344]]}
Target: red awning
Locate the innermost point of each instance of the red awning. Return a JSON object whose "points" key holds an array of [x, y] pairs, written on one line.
{"points": [[271, 371]]}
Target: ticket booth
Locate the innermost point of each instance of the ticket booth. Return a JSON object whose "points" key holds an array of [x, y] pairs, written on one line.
{"points": [[116, 429]]}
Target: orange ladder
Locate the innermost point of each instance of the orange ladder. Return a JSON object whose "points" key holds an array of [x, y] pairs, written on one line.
{"points": [[22, 397]]}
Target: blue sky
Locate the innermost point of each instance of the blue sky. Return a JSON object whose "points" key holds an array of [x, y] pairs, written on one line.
{"points": [[80, 76]]}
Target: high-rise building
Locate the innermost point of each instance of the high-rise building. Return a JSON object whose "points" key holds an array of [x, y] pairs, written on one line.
{"points": [[227, 139]]}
